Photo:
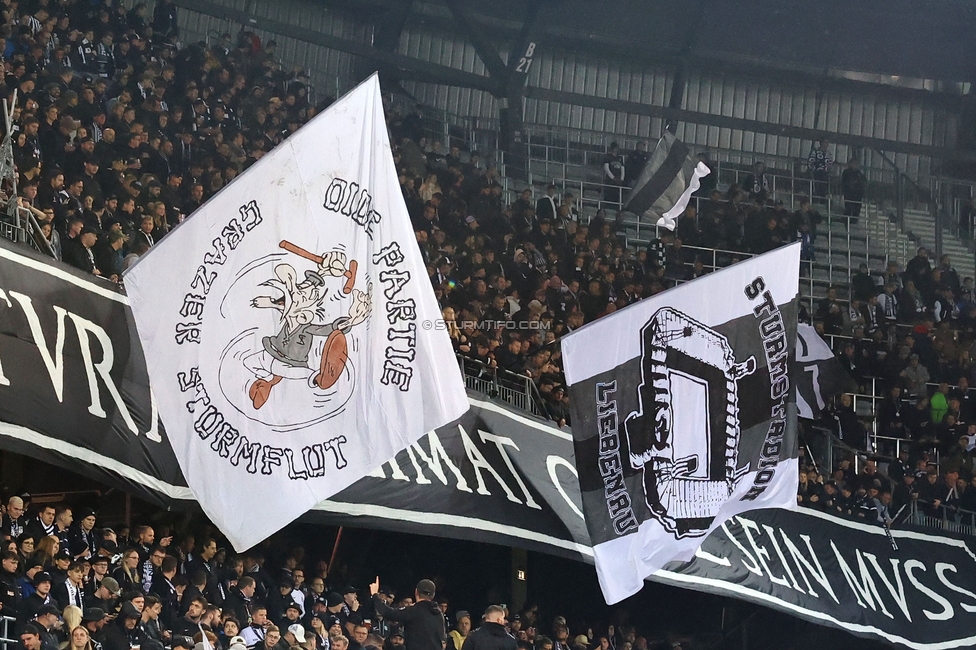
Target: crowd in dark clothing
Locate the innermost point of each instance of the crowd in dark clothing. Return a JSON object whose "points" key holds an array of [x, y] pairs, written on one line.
{"points": [[903, 490], [69, 582], [908, 338], [514, 277], [118, 134]]}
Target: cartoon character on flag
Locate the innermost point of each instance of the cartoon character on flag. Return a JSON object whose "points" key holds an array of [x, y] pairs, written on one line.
{"points": [[289, 353]]}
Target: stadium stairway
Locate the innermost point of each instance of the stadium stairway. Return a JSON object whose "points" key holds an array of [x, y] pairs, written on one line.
{"points": [[839, 251], [919, 227]]}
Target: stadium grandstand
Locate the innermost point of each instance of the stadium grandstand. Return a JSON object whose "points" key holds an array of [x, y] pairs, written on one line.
{"points": [[519, 130]]}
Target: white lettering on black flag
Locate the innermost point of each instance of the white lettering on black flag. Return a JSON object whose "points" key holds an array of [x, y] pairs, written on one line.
{"points": [[281, 327], [684, 415]]}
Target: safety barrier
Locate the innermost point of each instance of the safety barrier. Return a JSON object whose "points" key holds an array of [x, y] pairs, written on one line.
{"points": [[7, 639], [518, 390], [948, 518], [23, 228]]}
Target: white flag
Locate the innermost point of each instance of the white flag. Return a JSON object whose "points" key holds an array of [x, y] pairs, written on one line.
{"points": [[290, 328], [684, 415]]}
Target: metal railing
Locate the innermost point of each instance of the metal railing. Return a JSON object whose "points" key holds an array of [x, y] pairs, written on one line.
{"points": [[577, 147], [832, 450], [840, 255], [470, 133], [23, 228], [865, 405], [7, 639], [512, 388], [954, 198], [573, 158], [584, 180], [581, 148], [948, 518]]}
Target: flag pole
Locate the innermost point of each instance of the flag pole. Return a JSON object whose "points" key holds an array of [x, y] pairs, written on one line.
{"points": [[335, 550]]}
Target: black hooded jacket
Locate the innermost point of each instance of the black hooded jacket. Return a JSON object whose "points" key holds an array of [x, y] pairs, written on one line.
{"points": [[490, 636], [423, 623]]}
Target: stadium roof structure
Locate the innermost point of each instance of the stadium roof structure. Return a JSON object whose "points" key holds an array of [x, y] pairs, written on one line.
{"points": [[921, 39]]}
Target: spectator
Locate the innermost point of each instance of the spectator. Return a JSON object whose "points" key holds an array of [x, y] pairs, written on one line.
{"points": [[863, 284], [258, 625], [919, 270], [847, 426], [79, 638], [916, 377], [461, 630], [30, 638], [853, 183], [78, 251], [939, 403], [614, 175], [636, 161], [756, 183], [888, 303], [820, 162], [546, 208], [423, 621], [491, 635]]}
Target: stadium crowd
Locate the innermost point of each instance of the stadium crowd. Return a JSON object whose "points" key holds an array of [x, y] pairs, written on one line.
{"points": [[895, 495], [120, 132], [512, 278], [71, 584]]}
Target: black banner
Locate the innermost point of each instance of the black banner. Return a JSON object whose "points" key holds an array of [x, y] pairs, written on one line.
{"points": [[497, 475], [74, 390], [841, 573]]}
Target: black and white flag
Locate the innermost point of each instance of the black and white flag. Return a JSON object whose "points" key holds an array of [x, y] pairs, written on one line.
{"points": [[819, 374], [684, 415], [665, 186]]}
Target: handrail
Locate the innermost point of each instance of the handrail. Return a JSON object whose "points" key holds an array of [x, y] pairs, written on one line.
{"points": [[860, 455], [512, 388], [952, 516], [560, 149], [951, 519], [724, 160], [7, 641], [604, 138], [949, 195], [28, 233]]}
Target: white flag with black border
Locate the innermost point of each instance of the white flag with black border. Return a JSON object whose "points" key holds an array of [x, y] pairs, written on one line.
{"points": [[684, 415], [289, 327]]}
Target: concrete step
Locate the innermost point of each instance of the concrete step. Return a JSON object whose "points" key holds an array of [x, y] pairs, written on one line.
{"points": [[920, 223], [839, 252]]}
